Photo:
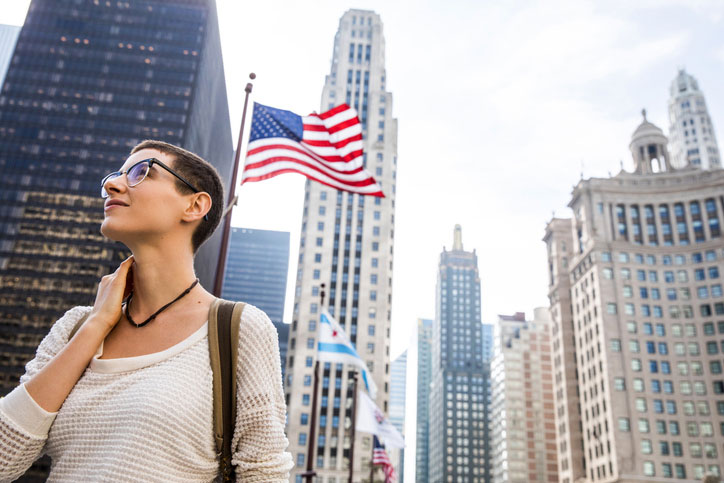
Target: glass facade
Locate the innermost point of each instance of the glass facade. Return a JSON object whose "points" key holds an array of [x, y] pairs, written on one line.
{"points": [[398, 388], [424, 370], [88, 81], [459, 394], [8, 37], [256, 269]]}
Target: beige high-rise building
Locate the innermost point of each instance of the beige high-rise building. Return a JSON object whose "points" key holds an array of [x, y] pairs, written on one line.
{"points": [[645, 323], [523, 429], [347, 244], [569, 439]]}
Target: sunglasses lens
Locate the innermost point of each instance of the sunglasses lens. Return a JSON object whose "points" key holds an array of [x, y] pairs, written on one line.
{"points": [[104, 193], [137, 173]]}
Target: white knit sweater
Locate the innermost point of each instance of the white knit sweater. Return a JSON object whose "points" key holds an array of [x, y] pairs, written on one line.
{"points": [[149, 418]]}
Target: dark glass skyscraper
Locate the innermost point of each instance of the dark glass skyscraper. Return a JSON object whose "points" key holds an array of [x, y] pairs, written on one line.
{"points": [[424, 369], [458, 412], [256, 273], [256, 269], [88, 80]]}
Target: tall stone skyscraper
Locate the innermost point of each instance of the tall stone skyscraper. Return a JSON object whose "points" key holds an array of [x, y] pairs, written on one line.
{"points": [[569, 438], [88, 80], [424, 374], [347, 244], [523, 429], [458, 431], [643, 310], [693, 141]]}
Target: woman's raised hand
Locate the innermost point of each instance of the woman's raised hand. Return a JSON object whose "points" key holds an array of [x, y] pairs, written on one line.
{"points": [[112, 289]]}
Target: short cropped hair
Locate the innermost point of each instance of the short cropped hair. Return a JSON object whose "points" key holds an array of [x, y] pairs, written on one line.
{"points": [[200, 173]]}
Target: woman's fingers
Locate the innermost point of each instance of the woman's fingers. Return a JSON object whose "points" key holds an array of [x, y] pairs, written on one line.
{"points": [[111, 291]]}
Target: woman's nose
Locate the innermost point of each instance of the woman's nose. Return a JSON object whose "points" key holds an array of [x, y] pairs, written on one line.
{"points": [[116, 184]]}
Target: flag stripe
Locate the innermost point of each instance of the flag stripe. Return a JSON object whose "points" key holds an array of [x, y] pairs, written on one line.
{"points": [[328, 153], [333, 111], [338, 348], [326, 182], [338, 144], [262, 152], [350, 161], [282, 162]]}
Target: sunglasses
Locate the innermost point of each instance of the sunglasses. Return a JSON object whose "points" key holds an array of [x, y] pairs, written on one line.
{"points": [[138, 172]]}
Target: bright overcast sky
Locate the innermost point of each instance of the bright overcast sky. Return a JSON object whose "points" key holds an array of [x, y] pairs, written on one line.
{"points": [[500, 107]]}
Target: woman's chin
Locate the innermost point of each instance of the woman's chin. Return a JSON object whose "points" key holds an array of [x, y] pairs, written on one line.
{"points": [[111, 232]]}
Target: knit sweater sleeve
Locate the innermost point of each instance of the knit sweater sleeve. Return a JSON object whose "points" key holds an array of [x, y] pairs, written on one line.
{"points": [[24, 425], [259, 441]]}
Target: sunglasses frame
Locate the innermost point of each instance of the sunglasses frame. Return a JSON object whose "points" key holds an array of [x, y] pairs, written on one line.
{"points": [[151, 162]]}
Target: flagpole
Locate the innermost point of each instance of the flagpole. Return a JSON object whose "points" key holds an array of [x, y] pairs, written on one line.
{"points": [[372, 461], [221, 264], [310, 473], [354, 426]]}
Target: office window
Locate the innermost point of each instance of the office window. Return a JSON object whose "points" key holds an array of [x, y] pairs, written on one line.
{"points": [[646, 447], [638, 384], [671, 407]]}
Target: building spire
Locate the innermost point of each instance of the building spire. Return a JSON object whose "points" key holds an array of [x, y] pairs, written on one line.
{"points": [[643, 113], [458, 240]]}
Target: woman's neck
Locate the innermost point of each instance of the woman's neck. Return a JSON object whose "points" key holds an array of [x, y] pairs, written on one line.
{"points": [[159, 276]]}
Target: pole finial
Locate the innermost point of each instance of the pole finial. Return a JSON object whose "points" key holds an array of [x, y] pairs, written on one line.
{"points": [[252, 76]]}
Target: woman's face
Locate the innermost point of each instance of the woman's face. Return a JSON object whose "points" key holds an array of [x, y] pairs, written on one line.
{"points": [[150, 211]]}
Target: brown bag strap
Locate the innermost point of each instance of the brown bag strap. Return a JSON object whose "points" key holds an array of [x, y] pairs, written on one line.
{"points": [[224, 320]]}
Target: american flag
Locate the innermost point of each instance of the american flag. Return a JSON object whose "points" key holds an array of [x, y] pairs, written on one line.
{"points": [[323, 147], [379, 457]]}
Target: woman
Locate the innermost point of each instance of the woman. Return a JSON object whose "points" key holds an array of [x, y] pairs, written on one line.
{"points": [[129, 396]]}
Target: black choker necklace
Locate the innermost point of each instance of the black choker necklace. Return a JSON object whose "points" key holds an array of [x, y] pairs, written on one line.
{"points": [[128, 305]]}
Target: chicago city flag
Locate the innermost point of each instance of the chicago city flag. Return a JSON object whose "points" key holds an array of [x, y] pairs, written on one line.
{"points": [[334, 346], [323, 147], [371, 420]]}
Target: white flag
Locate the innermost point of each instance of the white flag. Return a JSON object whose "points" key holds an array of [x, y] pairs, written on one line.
{"points": [[371, 420], [334, 346]]}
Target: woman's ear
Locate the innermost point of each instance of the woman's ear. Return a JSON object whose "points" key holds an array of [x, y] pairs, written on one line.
{"points": [[198, 207]]}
